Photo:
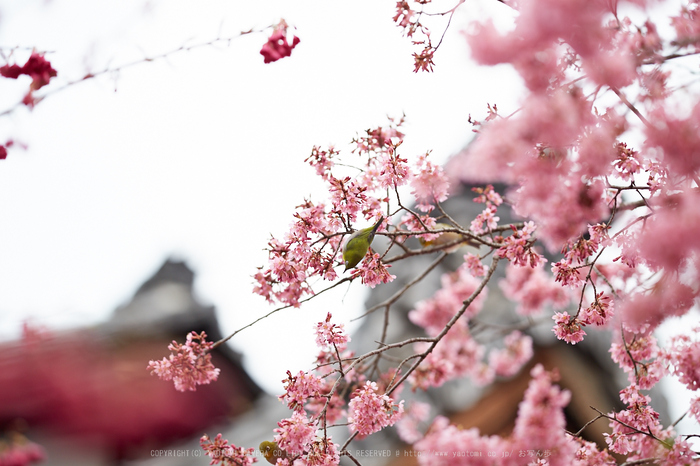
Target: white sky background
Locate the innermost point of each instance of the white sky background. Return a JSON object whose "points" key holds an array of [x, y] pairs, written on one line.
{"points": [[200, 156]]}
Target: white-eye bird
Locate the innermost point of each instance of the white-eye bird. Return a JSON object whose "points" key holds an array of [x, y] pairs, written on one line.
{"points": [[357, 245], [447, 238], [271, 451]]}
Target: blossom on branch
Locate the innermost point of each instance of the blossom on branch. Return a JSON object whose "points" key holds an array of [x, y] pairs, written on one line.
{"points": [[568, 328], [189, 366], [372, 272], [295, 434], [36, 67], [277, 46], [301, 388], [323, 452], [328, 334], [682, 356], [429, 183], [371, 412], [517, 352], [229, 455]]}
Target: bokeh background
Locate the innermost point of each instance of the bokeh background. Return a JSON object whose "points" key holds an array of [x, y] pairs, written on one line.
{"points": [[199, 156]]}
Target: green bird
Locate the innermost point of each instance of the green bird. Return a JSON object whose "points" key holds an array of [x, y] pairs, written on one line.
{"points": [[272, 452], [357, 245]]}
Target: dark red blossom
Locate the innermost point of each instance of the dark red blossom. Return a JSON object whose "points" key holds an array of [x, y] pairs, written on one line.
{"points": [[10, 71], [277, 46], [37, 67]]}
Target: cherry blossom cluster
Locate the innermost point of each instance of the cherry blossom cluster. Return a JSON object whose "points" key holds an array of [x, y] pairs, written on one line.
{"points": [[311, 248], [538, 432], [277, 45], [636, 432], [533, 289], [221, 452], [317, 403], [683, 357], [37, 68], [40, 70], [410, 16], [295, 434], [458, 353], [331, 334], [623, 213], [370, 412], [189, 365]]}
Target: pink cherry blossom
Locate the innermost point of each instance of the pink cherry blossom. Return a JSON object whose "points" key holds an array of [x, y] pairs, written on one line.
{"points": [[661, 242], [407, 426], [682, 355], [323, 452], [639, 356], [668, 297], [294, 435], [532, 289], [373, 272], [322, 161], [331, 334], [568, 275], [695, 408], [381, 138], [429, 183], [394, 170], [370, 412], [189, 366], [488, 196], [300, 388], [568, 328], [229, 455], [588, 454], [627, 163], [457, 355], [450, 439], [518, 249], [487, 218], [432, 314], [540, 423], [509, 360], [474, 265], [599, 312]]}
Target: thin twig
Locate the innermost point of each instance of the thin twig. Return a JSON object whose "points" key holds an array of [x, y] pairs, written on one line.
{"points": [[91, 75], [449, 325], [405, 288], [224, 340]]}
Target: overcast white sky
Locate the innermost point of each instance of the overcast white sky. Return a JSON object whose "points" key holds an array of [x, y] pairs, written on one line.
{"points": [[200, 156]]}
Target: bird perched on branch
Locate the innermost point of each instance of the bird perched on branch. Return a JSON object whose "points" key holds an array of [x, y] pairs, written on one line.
{"points": [[271, 451], [357, 245]]}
